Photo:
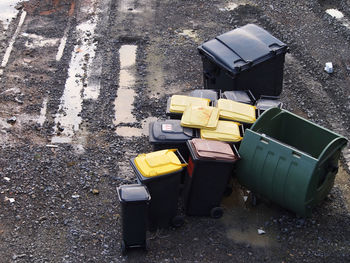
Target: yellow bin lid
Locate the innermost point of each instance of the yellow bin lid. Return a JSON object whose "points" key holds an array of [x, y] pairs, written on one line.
{"points": [[227, 131], [200, 117], [236, 111], [158, 163], [178, 103]]}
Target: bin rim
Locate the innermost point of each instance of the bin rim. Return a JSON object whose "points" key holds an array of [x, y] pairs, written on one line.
{"points": [[195, 157], [274, 112], [295, 150], [158, 177], [133, 201]]}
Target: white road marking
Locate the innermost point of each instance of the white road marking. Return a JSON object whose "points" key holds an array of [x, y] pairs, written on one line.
{"points": [[12, 41]]}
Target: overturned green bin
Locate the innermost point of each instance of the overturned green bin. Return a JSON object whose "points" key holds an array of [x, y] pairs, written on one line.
{"points": [[289, 160]]}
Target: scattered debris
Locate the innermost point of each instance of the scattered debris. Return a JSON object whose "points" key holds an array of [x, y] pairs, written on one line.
{"points": [[75, 196], [11, 200], [261, 232], [18, 256], [12, 120], [7, 179], [95, 191], [329, 67], [19, 101], [51, 146]]}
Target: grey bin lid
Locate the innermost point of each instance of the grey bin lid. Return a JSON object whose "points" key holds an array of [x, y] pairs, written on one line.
{"points": [[265, 104], [239, 96], [169, 131], [242, 48], [205, 93], [133, 193]]}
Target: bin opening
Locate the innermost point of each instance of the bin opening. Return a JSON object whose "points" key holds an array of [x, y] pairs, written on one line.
{"points": [[297, 132]]}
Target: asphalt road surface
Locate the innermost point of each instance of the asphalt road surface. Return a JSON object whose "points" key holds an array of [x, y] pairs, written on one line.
{"points": [[80, 80]]}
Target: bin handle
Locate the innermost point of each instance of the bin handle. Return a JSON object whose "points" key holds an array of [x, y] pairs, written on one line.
{"points": [[182, 160], [331, 171], [264, 140]]}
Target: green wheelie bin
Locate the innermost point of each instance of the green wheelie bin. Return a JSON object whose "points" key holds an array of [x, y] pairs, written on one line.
{"points": [[289, 160]]}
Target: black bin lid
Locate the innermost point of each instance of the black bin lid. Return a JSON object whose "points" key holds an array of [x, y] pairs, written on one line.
{"points": [[205, 93], [169, 131], [133, 193], [242, 48], [243, 96]]}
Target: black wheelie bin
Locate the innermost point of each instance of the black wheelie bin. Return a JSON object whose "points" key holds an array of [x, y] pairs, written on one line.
{"points": [[161, 172], [210, 167], [134, 200], [246, 58]]}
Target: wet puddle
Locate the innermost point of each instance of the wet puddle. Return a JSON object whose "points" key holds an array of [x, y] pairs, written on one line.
{"points": [[231, 6], [242, 222], [35, 41], [126, 131], [123, 103], [339, 16], [8, 12], [68, 117], [190, 33]]}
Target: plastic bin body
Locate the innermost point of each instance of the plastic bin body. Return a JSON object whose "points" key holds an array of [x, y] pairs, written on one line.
{"points": [[212, 95], [243, 96], [247, 58], [289, 160], [164, 191], [268, 102], [207, 177], [169, 134], [134, 201]]}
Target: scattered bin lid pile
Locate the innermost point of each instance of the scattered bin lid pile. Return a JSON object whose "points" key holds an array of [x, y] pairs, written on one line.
{"points": [[281, 156]]}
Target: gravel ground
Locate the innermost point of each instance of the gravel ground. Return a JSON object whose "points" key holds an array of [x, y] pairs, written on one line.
{"points": [[58, 201]]}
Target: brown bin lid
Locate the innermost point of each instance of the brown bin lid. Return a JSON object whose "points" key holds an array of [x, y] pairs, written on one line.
{"points": [[213, 150]]}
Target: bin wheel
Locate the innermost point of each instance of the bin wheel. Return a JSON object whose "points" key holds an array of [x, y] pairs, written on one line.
{"points": [[216, 212], [228, 191], [123, 248], [178, 221]]}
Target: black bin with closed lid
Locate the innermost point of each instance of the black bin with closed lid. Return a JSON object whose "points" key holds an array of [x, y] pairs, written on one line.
{"points": [[246, 58], [134, 200], [209, 170], [169, 134]]}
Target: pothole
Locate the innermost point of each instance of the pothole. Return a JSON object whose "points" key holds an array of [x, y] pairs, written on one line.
{"points": [[123, 103]]}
